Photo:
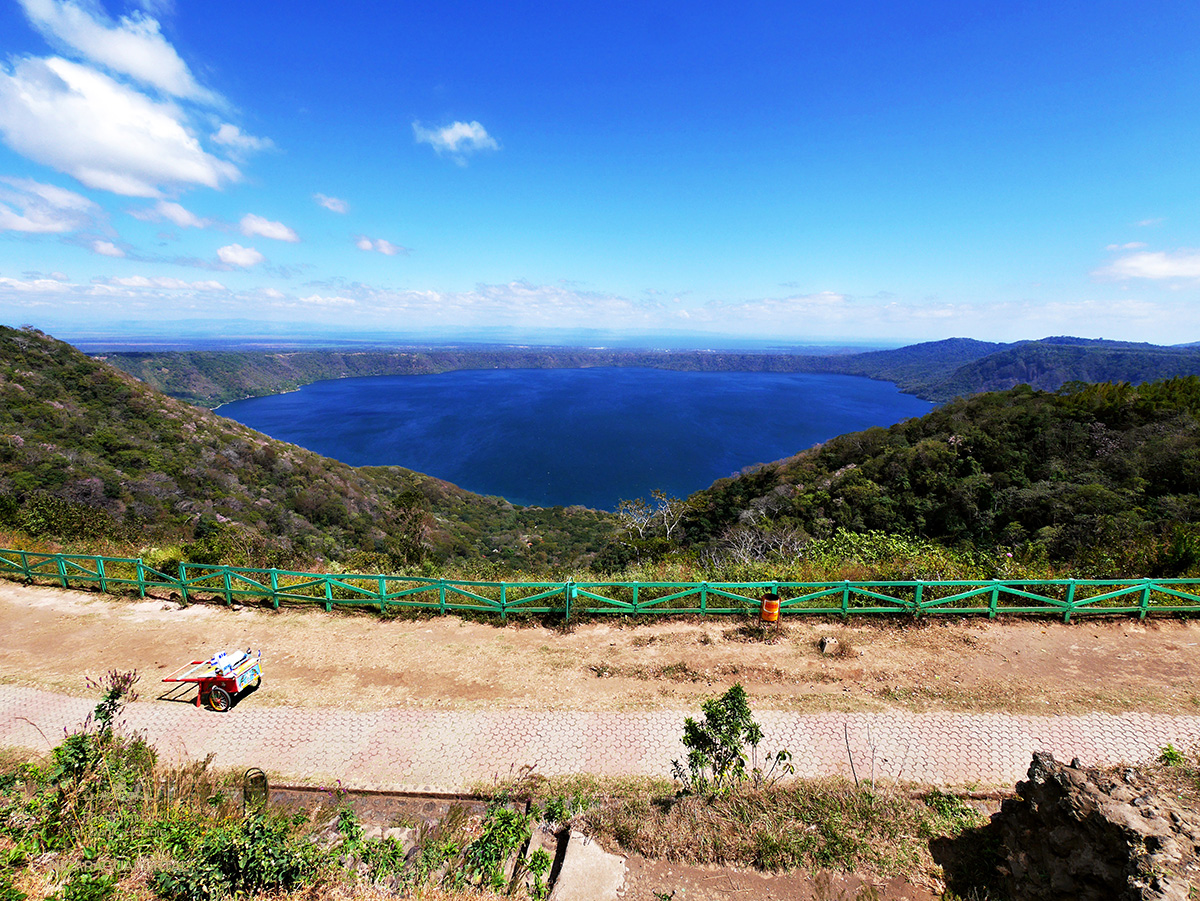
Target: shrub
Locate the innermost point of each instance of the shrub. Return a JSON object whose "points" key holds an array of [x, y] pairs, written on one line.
{"points": [[718, 746], [255, 855]]}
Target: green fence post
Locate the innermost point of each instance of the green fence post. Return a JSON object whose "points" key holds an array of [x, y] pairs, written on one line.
{"points": [[141, 578], [228, 586], [503, 602], [183, 592], [1070, 602], [995, 601], [636, 609], [382, 594], [917, 598], [1145, 605], [62, 570], [703, 598], [328, 593], [566, 602], [100, 573], [274, 588], [442, 596], [25, 566], [846, 599]]}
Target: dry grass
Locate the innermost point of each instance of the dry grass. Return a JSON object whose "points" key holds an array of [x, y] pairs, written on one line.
{"points": [[829, 824]]}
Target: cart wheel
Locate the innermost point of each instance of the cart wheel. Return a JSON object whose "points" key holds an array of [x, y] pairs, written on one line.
{"points": [[257, 682], [219, 699]]}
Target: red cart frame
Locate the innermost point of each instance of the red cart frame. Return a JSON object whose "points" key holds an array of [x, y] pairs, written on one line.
{"points": [[221, 678]]}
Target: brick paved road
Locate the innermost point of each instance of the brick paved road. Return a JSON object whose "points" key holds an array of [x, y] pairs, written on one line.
{"points": [[449, 750]]}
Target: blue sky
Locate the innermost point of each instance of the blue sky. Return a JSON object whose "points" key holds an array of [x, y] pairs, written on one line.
{"points": [[861, 171]]}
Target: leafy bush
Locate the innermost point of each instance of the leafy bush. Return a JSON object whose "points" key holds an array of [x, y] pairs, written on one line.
{"points": [[718, 746], [505, 832], [257, 854], [86, 885]]}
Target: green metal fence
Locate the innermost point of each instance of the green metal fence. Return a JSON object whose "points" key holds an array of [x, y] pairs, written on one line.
{"points": [[1067, 598]]}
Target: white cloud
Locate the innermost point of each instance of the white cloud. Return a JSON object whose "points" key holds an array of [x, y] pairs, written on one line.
{"points": [[33, 286], [1154, 265], [231, 136], [321, 300], [332, 204], [161, 8], [105, 134], [169, 211], [30, 206], [379, 245], [1132, 245], [107, 248], [252, 225], [237, 255], [1146, 223], [457, 140], [165, 282], [133, 46], [823, 305]]}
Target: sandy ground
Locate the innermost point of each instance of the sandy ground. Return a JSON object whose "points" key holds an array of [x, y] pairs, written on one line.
{"points": [[56, 639]]}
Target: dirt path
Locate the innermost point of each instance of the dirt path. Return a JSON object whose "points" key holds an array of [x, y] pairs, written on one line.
{"points": [[55, 639]]}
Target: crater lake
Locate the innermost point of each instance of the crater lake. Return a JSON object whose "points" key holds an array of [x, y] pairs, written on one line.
{"points": [[591, 437]]}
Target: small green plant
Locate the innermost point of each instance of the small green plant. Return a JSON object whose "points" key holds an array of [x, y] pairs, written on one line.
{"points": [[348, 826], [951, 814], [719, 744], [86, 885], [116, 691], [1171, 756], [504, 832], [8, 891], [538, 866]]}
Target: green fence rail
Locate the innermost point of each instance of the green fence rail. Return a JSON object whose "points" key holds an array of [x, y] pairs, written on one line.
{"points": [[1067, 598]]}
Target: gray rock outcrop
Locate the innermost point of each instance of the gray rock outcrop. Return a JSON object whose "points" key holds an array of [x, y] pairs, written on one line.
{"points": [[1096, 835]]}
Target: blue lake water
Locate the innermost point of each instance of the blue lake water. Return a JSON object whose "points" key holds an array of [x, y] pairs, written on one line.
{"points": [[575, 436]]}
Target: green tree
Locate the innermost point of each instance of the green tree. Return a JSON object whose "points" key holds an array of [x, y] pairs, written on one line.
{"points": [[721, 744]]}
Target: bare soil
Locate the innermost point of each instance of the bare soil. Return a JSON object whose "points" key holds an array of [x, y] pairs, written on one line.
{"points": [[651, 880], [56, 639]]}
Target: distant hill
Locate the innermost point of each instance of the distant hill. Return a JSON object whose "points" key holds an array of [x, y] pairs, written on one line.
{"points": [[86, 451], [1053, 362], [920, 369], [1106, 476], [935, 370]]}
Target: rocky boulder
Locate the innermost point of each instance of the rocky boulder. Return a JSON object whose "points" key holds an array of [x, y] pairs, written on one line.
{"points": [[1108, 835]]}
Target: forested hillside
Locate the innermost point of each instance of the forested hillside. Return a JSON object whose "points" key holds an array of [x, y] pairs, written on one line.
{"points": [[1053, 362], [936, 370], [1098, 479], [86, 451], [1104, 476]]}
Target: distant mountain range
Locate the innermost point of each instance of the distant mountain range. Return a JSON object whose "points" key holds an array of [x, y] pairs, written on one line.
{"points": [[937, 371]]}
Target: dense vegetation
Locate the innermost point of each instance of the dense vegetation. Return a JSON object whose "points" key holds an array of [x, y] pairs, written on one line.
{"points": [[1101, 477], [937, 370], [87, 452], [1092, 479]]}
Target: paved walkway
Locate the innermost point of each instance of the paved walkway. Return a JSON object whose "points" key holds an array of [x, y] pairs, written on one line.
{"points": [[449, 750]]}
